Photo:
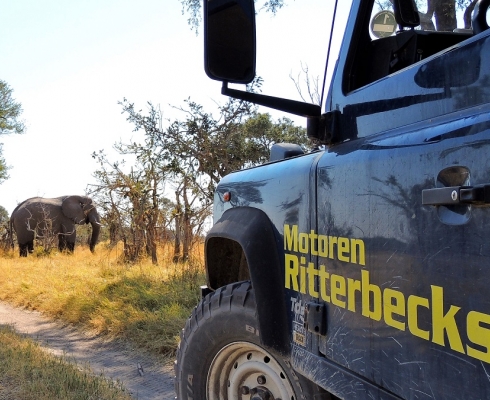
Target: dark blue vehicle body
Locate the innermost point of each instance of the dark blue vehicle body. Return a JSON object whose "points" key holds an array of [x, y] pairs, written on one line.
{"points": [[371, 276]]}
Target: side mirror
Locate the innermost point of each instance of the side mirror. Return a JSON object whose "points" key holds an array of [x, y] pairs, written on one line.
{"points": [[229, 40], [406, 13]]}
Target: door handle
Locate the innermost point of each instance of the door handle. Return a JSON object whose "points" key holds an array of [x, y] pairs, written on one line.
{"points": [[452, 195]]}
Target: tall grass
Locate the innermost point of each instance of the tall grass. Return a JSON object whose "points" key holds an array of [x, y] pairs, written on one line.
{"points": [[143, 303], [29, 373]]}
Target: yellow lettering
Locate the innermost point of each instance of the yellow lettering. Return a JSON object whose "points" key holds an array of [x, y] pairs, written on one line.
{"points": [[444, 322], [338, 289], [413, 319], [367, 289], [323, 246], [396, 310], [353, 287], [393, 304], [479, 335], [303, 243], [332, 240], [343, 249], [292, 271], [302, 279], [291, 238], [355, 246]]}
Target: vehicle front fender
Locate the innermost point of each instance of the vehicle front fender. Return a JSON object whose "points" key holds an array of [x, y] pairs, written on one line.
{"points": [[244, 245]]}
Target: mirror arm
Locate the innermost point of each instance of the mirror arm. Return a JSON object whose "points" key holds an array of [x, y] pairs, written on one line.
{"points": [[276, 103]]}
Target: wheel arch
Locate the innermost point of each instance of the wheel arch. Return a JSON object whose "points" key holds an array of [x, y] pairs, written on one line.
{"points": [[244, 245]]}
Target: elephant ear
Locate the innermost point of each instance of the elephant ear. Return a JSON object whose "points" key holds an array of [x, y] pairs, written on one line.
{"points": [[72, 208]]}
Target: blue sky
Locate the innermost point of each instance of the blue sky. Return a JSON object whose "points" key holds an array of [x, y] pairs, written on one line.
{"points": [[70, 62]]}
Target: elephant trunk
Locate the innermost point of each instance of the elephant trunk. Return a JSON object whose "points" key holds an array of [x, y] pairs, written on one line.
{"points": [[94, 220]]}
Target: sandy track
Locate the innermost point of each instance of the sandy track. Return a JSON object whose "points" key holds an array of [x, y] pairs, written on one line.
{"points": [[154, 380]]}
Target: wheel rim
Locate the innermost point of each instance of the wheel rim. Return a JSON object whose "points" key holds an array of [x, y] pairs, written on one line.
{"points": [[243, 371]]}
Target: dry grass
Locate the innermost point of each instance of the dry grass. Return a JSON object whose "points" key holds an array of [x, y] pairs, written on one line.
{"points": [[141, 303], [29, 373]]}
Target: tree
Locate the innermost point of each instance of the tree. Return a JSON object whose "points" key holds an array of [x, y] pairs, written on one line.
{"points": [[3, 167], [195, 152], [313, 89], [205, 148], [4, 216], [190, 155], [193, 8], [440, 15], [442, 11], [10, 111], [4, 229], [130, 200], [189, 215]]}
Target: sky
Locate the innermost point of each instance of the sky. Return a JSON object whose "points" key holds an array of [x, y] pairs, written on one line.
{"points": [[70, 62]]}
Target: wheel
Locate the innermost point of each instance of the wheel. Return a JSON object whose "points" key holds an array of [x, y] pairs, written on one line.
{"points": [[245, 368], [220, 356]]}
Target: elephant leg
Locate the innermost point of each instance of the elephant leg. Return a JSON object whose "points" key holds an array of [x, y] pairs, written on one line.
{"points": [[23, 250], [61, 242], [70, 247], [66, 242]]}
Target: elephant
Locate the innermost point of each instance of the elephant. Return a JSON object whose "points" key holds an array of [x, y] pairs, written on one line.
{"points": [[39, 216]]}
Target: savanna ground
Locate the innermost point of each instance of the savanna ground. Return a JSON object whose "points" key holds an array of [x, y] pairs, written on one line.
{"points": [[143, 304]]}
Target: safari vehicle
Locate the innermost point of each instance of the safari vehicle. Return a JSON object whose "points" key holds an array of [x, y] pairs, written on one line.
{"points": [[362, 270]]}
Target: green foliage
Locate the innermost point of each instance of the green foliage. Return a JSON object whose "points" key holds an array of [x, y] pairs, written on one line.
{"points": [[262, 131], [5, 238], [192, 154], [152, 312], [9, 122], [193, 9], [9, 111], [4, 216], [142, 304], [41, 251], [28, 372], [130, 202], [3, 167], [201, 148]]}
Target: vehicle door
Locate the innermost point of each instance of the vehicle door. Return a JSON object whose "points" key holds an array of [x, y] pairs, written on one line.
{"points": [[401, 242]]}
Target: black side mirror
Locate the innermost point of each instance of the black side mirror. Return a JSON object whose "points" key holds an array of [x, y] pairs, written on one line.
{"points": [[406, 13], [229, 40]]}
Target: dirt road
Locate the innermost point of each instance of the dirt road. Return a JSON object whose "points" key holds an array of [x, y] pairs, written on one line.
{"points": [[145, 378]]}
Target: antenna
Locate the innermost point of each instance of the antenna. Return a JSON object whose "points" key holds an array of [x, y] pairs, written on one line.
{"points": [[328, 52]]}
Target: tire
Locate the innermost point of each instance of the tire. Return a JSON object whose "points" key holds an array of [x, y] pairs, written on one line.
{"points": [[220, 355]]}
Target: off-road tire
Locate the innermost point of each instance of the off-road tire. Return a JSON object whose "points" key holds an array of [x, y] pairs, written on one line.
{"points": [[220, 356]]}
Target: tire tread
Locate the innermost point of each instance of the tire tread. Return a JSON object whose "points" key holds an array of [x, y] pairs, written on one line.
{"points": [[239, 299]]}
